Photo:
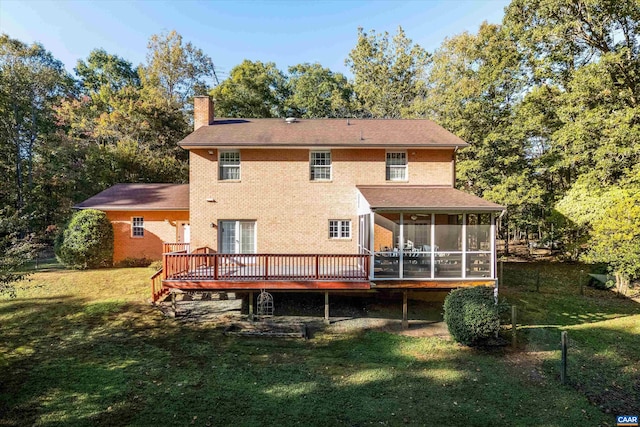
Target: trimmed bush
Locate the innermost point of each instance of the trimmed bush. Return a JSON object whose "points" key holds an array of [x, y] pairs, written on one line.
{"points": [[471, 314], [134, 262], [87, 241]]}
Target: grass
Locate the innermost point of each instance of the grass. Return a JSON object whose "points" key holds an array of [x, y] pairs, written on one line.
{"points": [[86, 348], [603, 330]]}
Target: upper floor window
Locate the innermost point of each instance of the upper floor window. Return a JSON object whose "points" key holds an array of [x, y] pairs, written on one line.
{"points": [[320, 165], [137, 226], [397, 166], [229, 165]]}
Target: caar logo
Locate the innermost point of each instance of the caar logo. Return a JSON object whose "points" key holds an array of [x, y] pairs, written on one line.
{"points": [[627, 420]]}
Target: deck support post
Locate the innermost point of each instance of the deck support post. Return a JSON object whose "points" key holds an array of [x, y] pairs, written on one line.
{"points": [[326, 308], [250, 305], [173, 304], [405, 320]]}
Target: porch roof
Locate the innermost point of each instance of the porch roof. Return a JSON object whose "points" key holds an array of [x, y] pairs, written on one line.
{"points": [[411, 197], [137, 197]]}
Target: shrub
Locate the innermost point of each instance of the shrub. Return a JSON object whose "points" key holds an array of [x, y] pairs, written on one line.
{"points": [[155, 265], [471, 314], [135, 262], [86, 241]]}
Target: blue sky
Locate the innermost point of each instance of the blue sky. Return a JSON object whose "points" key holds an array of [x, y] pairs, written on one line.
{"points": [[284, 32]]}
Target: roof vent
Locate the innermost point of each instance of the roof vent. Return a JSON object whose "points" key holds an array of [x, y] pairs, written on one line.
{"points": [[291, 120]]}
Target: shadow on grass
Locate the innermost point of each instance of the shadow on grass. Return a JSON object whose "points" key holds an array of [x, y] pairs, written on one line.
{"points": [[604, 352], [602, 363], [71, 361]]}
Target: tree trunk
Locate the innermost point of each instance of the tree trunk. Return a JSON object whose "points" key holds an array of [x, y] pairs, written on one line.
{"points": [[622, 283], [506, 241]]}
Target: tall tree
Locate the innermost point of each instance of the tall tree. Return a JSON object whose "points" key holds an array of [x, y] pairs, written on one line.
{"points": [[473, 87], [253, 89], [31, 82], [318, 92], [388, 73], [102, 70], [179, 70], [583, 68]]}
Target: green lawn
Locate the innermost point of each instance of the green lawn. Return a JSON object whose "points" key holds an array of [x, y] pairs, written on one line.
{"points": [[86, 348]]}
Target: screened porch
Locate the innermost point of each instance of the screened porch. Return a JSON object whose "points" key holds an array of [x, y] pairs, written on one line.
{"points": [[423, 245]]}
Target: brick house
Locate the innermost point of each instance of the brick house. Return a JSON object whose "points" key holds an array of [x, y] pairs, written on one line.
{"points": [[143, 217], [328, 204]]}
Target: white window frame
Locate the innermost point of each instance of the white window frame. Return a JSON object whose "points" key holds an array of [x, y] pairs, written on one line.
{"points": [[312, 166], [339, 225], [389, 167], [237, 246], [137, 226], [222, 166]]}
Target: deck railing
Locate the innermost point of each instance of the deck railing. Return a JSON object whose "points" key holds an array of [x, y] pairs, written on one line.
{"points": [[264, 267], [156, 286], [175, 247]]}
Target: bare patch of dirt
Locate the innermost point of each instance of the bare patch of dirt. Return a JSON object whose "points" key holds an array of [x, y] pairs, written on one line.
{"points": [[348, 313]]}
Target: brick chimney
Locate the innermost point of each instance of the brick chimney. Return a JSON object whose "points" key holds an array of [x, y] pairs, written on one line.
{"points": [[203, 111]]}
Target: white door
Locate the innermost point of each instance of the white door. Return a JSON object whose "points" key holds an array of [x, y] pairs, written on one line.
{"points": [[184, 232], [237, 237]]}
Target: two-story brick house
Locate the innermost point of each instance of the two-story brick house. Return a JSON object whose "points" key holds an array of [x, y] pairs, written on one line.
{"points": [[328, 204]]}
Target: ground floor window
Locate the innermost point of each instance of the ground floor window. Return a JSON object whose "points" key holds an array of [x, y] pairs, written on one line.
{"points": [[339, 229], [137, 226]]}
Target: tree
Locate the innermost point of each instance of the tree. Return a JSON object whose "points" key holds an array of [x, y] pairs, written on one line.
{"points": [[87, 241], [31, 82], [103, 71], [388, 74], [178, 70], [473, 89], [253, 89], [317, 92], [615, 239], [16, 250], [583, 76]]}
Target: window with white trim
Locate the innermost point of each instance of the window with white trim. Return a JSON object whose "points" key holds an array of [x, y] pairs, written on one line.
{"points": [[320, 165], [137, 226], [397, 166], [229, 165], [339, 229]]}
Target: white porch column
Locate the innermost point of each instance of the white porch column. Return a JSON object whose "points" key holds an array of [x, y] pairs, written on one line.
{"points": [[372, 227], [464, 245], [433, 246], [494, 260], [401, 249]]}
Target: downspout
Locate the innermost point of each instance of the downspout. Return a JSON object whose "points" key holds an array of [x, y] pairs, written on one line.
{"points": [[453, 167]]}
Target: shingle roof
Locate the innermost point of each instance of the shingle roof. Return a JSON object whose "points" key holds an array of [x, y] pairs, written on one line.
{"points": [[128, 197], [424, 197], [322, 133]]}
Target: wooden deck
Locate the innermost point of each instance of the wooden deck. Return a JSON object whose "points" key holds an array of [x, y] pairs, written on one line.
{"points": [[265, 267], [205, 270]]}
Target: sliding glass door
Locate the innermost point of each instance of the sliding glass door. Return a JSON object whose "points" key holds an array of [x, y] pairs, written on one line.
{"points": [[237, 237]]}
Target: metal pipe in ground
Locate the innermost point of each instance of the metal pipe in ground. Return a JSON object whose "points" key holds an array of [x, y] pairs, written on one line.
{"points": [[514, 325], [563, 362]]}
